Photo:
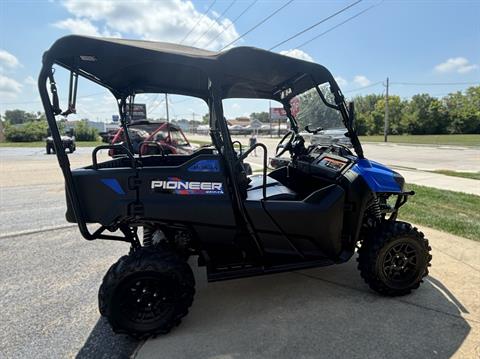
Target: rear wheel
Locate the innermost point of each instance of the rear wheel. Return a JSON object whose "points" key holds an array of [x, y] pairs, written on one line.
{"points": [[395, 259], [146, 293]]}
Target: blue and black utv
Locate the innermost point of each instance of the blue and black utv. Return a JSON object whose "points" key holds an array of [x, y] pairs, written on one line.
{"points": [[325, 204]]}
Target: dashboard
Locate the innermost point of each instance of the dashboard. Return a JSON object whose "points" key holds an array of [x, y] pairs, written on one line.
{"points": [[328, 162]]}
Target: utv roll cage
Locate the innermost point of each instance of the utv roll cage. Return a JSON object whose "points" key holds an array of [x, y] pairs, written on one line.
{"points": [[129, 67]]}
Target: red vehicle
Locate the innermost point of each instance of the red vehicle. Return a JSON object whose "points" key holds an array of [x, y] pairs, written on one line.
{"points": [[154, 138]]}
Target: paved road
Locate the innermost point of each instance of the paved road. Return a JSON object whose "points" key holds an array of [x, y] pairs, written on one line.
{"points": [[330, 313], [48, 296], [49, 279]]}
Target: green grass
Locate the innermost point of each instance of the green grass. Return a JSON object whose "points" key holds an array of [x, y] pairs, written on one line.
{"points": [[42, 144], [456, 140], [470, 175], [448, 211]]}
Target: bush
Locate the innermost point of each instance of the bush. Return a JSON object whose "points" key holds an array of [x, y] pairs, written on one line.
{"points": [[83, 132], [27, 132]]}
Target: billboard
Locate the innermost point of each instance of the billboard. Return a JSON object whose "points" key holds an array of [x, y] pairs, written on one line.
{"points": [[137, 112], [278, 113]]}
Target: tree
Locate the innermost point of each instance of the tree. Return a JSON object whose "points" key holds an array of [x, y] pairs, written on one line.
{"points": [[206, 119], [83, 132], [260, 116], [364, 109], [423, 115], [395, 113], [463, 111], [26, 132], [16, 117], [315, 113]]}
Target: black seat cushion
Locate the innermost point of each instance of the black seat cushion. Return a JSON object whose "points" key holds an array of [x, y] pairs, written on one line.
{"points": [[256, 181], [275, 192]]}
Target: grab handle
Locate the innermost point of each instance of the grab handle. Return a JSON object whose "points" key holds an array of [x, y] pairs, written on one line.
{"points": [[112, 147]]}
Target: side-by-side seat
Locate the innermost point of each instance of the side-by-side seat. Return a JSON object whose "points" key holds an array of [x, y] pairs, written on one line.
{"points": [[275, 191]]}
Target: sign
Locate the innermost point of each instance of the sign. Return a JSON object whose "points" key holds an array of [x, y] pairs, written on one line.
{"points": [[137, 113], [115, 118], [278, 113], [295, 106]]}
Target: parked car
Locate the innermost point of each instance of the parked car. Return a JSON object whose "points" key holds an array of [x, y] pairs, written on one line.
{"points": [[150, 137], [68, 141], [333, 136]]}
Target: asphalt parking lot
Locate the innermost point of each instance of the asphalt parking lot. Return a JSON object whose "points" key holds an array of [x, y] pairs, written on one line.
{"points": [[50, 277]]}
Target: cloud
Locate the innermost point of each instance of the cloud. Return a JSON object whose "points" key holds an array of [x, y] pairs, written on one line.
{"points": [[29, 80], [167, 20], [456, 64], [341, 81], [8, 60], [361, 80], [83, 27], [298, 54], [9, 87]]}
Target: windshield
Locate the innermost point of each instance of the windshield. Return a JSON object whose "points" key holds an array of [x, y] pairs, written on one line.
{"points": [[313, 112]]}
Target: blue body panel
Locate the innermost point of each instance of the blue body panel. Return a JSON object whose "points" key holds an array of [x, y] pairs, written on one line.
{"points": [[114, 185], [378, 177]]}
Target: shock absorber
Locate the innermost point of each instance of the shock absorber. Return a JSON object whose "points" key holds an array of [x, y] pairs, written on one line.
{"points": [[375, 208]]}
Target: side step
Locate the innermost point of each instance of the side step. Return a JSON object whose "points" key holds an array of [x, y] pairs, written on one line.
{"points": [[248, 270]]}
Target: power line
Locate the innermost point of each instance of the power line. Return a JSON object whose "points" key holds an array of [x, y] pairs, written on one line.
{"points": [[364, 87], [258, 24], [336, 26], [198, 21], [235, 20], [214, 22], [315, 25]]}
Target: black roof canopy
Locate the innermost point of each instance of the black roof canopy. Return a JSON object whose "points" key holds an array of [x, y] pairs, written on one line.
{"points": [[133, 66]]}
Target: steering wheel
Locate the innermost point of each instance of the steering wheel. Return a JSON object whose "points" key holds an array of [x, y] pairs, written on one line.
{"points": [[285, 143]]}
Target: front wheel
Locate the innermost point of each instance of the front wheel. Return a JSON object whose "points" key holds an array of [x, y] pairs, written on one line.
{"points": [[394, 260], [146, 293]]}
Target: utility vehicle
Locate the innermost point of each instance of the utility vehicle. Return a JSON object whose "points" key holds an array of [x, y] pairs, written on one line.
{"points": [[147, 136], [316, 211], [68, 142]]}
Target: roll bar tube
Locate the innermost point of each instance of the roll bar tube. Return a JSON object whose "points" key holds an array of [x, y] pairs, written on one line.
{"points": [[50, 112]]}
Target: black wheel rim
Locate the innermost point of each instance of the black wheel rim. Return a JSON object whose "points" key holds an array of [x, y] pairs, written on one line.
{"points": [[146, 299], [400, 263]]}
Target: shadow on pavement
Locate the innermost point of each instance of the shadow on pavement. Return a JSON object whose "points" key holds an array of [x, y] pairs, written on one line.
{"points": [[103, 343], [326, 312]]}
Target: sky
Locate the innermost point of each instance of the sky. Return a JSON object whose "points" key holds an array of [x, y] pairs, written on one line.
{"points": [[422, 46]]}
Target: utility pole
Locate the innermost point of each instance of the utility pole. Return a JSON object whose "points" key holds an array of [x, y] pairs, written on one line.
{"points": [[168, 115], [2, 136], [270, 116], [385, 131], [166, 107]]}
